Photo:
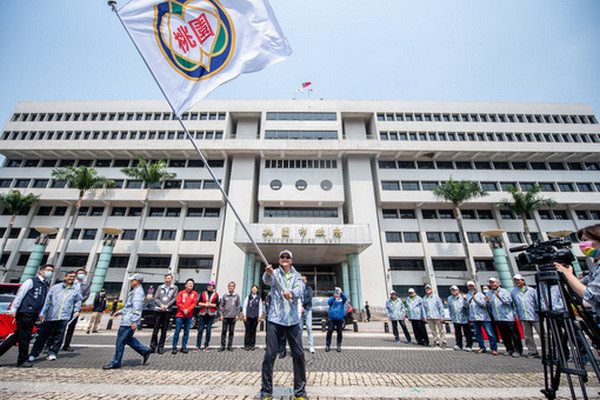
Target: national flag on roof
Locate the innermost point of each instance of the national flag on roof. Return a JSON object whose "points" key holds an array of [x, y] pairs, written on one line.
{"points": [[194, 46], [306, 84]]}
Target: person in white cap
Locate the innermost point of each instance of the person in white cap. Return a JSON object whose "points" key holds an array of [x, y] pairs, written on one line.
{"points": [[525, 302], [434, 312], [459, 312], [480, 317], [416, 314], [396, 312], [500, 304]]}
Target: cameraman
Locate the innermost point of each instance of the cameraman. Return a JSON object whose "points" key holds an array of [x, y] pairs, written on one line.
{"points": [[589, 287]]}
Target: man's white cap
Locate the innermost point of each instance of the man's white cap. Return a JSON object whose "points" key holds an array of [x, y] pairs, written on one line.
{"points": [[411, 290], [519, 276], [286, 252], [470, 283], [393, 292], [428, 286], [493, 279], [453, 287]]}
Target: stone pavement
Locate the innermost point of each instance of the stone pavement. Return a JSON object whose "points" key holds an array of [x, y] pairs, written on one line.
{"points": [[371, 366]]}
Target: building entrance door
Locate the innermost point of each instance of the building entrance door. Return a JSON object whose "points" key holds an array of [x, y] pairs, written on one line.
{"points": [[322, 278]]}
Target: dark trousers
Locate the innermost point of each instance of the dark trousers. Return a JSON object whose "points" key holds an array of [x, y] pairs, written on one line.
{"points": [[331, 325], [368, 316], [51, 332], [204, 322], [293, 334], [250, 336], [420, 332], [161, 323], [228, 326], [459, 329], [404, 329], [125, 337], [70, 331], [510, 336], [22, 335]]}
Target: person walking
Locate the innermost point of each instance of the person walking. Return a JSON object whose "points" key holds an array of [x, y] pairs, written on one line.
{"points": [[335, 316], [307, 314], [84, 288], [230, 308], [500, 304], [62, 302], [98, 309], [132, 317], [459, 312], [251, 311], [479, 315], [209, 301], [164, 299], [525, 301], [434, 312], [25, 309], [283, 320], [186, 302], [396, 312], [368, 311], [416, 314]]}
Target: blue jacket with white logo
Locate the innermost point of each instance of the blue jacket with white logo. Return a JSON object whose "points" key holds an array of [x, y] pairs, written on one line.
{"points": [[281, 311], [414, 306], [434, 309], [525, 303], [132, 312], [395, 309], [477, 307], [459, 310], [61, 302], [500, 306]]}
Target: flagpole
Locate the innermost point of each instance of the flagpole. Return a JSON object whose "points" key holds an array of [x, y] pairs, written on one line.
{"points": [[113, 5]]}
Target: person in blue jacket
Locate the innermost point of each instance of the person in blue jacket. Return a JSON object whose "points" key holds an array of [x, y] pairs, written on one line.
{"points": [[336, 318]]}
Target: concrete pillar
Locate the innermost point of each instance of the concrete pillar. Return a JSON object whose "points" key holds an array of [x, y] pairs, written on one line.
{"points": [[353, 264], [34, 262], [257, 274], [346, 278], [353, 284], [100, 271], [501, 265], [248, 274]]}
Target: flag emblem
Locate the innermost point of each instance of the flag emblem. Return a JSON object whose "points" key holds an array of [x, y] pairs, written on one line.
{"points": [[196, 37]]}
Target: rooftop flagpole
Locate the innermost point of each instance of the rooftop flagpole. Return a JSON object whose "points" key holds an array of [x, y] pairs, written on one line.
{"points": [[113, 5]]}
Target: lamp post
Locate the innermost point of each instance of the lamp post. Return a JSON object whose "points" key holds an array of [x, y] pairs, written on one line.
{"points": [[500, 263], [104, 260], [35, 258], [564, 234]]}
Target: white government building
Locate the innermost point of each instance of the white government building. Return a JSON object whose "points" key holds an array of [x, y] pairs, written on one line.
{"points": [[345, 185]]}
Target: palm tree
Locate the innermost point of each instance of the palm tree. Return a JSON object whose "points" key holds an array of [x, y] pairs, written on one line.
{"points": [[83, 179], [15, 203], [524, 203], [152, 174], [458, 192]]}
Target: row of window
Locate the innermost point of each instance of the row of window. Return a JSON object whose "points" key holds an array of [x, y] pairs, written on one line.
{"points": [[301, 116], [194, 212], [499, 165], [492, 137], [439, 264], [301, 164], [115, 116], [106, 163], [106, 135], [128, 234], [453, 237], [301, 135], [495, 186], [300, 212], [119, 184], [480, 117]]}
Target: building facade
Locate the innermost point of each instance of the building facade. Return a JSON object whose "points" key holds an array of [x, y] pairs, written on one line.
{"points": [[345, 185]]}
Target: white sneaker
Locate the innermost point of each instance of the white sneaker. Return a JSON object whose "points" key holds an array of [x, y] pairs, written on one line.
{"points": [[311, 350], [31, 359], [468, 349], [456, 348], [51, 357]]}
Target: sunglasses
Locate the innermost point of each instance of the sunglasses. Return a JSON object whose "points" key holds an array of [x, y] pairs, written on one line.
{"points": [[285, 256]]}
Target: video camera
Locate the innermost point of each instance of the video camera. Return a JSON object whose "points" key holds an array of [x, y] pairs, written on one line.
{"points": [[543, 255]]}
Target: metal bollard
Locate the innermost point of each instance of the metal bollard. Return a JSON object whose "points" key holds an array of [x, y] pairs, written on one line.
{"points": [[355, 325], [112, 313], [262, 326], [447, 328], [386, 327], [323, 326]]}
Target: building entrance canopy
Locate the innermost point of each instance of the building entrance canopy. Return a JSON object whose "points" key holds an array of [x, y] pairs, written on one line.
{"points": [[311, 244]]}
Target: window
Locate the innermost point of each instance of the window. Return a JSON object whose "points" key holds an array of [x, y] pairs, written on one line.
{"points": [[584, 187], [411, 237], [150, 234], [489, 186], [168, 234], [557, 166], [547, 186], [154, 262], [76, 233], [387, 164], [526, 185], [208, 236], [451, 237], [390, 185], [173, 212], [192, 184], [14, 233], [195, 263], [519, 165], [442, 264], [195, 212], [89, 234], [434, 237], [515, 237], [134, 212], [128, 234], [393, 237], [173, 184], [300, 212], [545, 214], [463, 165], [59, 211], [97, 211], [484, 265], [425, 165], [428, 214], [426, 185], [389, 214], [44, 211], [40, 183], [407, 213], [407, 264], [83, 211], [582, 214], [211, 212], [566, 187], [13, 163], [190, 236], [474, 237], [4, 183], [560, 215], [118, 211], [210, 185], [506, 185], [446, 214], [410, 185], [482, 165], [506, 214], [22, 183], [467, 214], [501, 165], [538, 166], [133, 184], [301, 184], [406, 164], [485, 214]]}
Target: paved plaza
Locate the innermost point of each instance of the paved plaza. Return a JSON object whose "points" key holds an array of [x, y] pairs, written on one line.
{"points": [[371, 366]]}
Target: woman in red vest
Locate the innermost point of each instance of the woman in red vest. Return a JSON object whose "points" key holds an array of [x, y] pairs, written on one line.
{"points": [[209, 301]]}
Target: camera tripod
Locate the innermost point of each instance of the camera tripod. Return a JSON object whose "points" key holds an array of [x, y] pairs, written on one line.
{"points": [[564, 346]]}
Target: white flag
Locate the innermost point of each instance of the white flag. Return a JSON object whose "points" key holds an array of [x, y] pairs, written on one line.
{"points": [[194, 46]]}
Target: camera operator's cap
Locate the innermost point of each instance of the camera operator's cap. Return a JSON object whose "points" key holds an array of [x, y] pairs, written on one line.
{"points": [[137, 277], [453, 287], [471, 283], [289, 253], [493, 279], [393, 292], [428, 286], [411, 290], [211, 283], [518, 276]]}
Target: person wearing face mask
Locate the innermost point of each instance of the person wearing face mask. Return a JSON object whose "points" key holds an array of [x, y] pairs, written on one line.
{"points": [[84, 288], [588, 288], [26, 308], [500, 305], [99, 307]]}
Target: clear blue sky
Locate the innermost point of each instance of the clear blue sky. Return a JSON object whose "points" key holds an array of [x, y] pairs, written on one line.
{"points": [[510, 50]]}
